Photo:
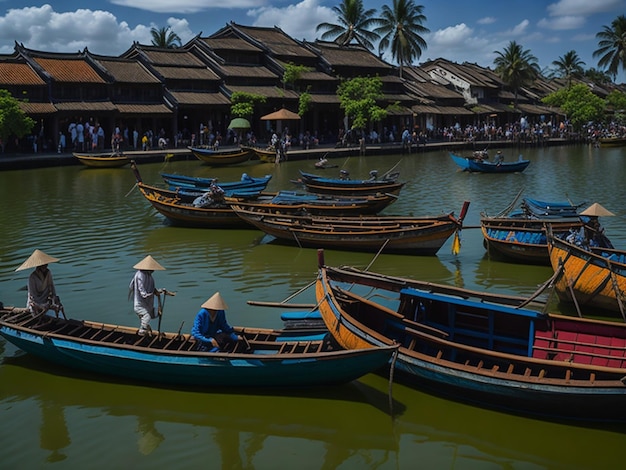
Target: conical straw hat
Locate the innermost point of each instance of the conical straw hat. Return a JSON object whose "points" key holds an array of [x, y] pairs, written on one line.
{"points": [[215, 303], [38, 258], [149, 264], [596, 210]]}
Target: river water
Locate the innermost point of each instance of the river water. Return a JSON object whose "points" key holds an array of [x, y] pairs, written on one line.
{"points": [[99, 225]]}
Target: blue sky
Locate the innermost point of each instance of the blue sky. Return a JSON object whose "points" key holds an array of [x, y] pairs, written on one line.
{"points": [[460, 30]]}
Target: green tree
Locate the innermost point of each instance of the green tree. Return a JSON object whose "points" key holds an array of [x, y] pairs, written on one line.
{"points": [[165, 37], [354, 22], [612, 46], [13, 121], [597, 76], [400, 29], [578, 103], [516, 67], [358, 98], [569, 66], [242, 104], [292, 73]]}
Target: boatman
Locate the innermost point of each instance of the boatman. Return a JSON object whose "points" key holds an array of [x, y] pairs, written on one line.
{"points": [[142, 289], [42, 295], [210, 327]]}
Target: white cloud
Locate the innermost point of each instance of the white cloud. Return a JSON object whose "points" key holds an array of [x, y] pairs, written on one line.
{"points": [[41, 28], [186, 6], [519, 29], [298, 21], [487, 20], [562, 23], [459, 43], [583, 7]]}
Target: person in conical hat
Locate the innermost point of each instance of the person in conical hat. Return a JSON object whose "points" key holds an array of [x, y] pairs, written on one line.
{"points": [[211, 329], [593, 231], [42, 295], [142, 289]]}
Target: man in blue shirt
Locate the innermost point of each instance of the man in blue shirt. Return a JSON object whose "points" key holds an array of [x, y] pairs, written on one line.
{"points": [[210, 327]]}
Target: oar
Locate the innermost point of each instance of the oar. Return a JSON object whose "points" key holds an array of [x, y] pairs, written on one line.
{"points": [[161, 303]]}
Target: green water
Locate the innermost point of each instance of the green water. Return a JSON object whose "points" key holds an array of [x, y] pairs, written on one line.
{"points": [[100, 227]]}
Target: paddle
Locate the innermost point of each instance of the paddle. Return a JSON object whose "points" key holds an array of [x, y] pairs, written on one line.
{"points": [[161, 303]]}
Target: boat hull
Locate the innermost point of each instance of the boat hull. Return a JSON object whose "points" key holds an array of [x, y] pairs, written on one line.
{"points": [[103, 160], [215, 158], [475, 166]]}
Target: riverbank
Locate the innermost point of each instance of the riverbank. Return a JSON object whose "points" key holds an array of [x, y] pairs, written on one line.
{"points": [[10, 161]]}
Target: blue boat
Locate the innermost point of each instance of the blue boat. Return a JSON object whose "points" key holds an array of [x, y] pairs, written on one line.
{"points": [[387, 183], [203, 184], [478, 165], [459, 344], [263, 358]]}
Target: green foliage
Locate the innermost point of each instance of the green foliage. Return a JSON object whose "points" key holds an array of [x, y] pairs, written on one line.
{"points": [[616, 100], [304, 103], [612, 46], [578, 103], [12, 118], [293, 73], [242, 104], [165, 37], [517, 67], [354, 22], [357, 97]]}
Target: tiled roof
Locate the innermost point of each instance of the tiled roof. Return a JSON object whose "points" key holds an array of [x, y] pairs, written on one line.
{"points": [[171, 57], [267, 91], [128, 71], [86, 106], [194, 98], [69, 70], [238, 44], [143, 109], [353, 56], [14, 73], [187, 73], [243, 71], [276, 41], [37, 108], [324, 99]]}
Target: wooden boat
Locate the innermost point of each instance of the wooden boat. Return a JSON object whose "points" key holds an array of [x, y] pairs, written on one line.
{"points": [[323, 185], [521, 235], [267, 155], [612, 141], [103, 160], [485, 352], [391, 234], [202, 184], [477, 165], [264, 358], [220, 158], [292, 202], [588, 276], [179, 209]]}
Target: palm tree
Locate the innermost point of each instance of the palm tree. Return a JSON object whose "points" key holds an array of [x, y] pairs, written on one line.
{"points": [[516, 66], [354, 23], [568, 66], [165, 37], [400, 28], [612, 46]]}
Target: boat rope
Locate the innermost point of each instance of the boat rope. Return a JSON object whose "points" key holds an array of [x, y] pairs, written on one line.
{"points": [[377, 254], [542, 287], [131, 190], [391, 371], [510, 207]]}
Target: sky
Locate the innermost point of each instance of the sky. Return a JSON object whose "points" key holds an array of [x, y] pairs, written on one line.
{"points": [[460, 30]]}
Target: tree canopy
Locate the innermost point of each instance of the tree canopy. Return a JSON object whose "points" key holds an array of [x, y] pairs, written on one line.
{"points": [[516, 66], [357, 97], [242, 104], [354, 22], [569, 66], [13, 121], [612, 46], [165, 37], [578, 103]]}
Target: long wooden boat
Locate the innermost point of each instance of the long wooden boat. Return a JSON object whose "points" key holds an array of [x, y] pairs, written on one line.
{"points": [[264, 358], [323, 185], [521, 234], [293, 202], [391, 234], [485, 352], [472, 164], [267, 155], [613, 141], [589, 276], [203, 184], [220, 158], [103, 160]]}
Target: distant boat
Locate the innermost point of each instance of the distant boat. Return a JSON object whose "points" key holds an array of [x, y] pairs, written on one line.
{"points": [[202, 184], [221, 158], [388, 183], [478, 165], [102, 160], [263, 358], [266, 155], [456, 344], [614, 141]]}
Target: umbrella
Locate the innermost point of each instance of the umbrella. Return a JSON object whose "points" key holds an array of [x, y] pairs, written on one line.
{"points": [[239, 123], [281, 115]]}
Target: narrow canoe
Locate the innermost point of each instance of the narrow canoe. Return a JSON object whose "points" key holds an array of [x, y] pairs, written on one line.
{"points": [[103, 160], [263, 358], [202, 183], [474, 165], [324, 185], [216, 158]]}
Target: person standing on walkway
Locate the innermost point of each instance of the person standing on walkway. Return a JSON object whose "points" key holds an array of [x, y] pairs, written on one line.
{"points": [[142, 290]]}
